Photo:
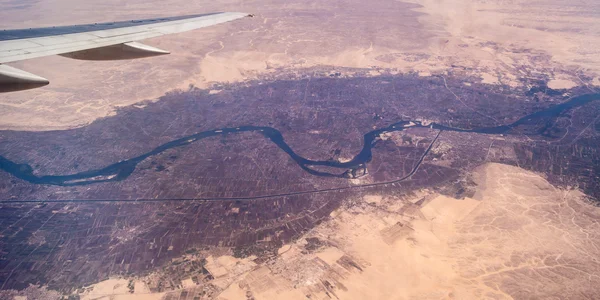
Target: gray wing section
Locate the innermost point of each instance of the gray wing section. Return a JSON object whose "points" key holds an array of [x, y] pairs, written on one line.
{"points": [[24, 44]]}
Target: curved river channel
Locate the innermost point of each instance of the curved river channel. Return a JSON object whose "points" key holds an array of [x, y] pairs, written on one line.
{"points": [[121, 170]]}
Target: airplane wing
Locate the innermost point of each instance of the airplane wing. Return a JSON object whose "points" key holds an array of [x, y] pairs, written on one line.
{"points": [[99, 41]]}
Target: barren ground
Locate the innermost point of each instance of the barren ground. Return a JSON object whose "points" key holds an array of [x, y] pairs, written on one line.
{"points": [[516, 238], [496, 42]]}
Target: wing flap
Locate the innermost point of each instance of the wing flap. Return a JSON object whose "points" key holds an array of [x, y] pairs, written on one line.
{"points": [[13, 79], [63, 39]]}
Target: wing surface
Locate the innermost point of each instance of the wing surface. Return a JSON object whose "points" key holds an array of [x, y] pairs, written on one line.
{"points": [[24, 44], [99, 41]]}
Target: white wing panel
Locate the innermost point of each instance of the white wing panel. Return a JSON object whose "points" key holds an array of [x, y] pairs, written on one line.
{"points": [[6, 47], [20, 49]]}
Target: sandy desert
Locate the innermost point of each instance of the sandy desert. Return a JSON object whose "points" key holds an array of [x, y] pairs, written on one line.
{"points": [[495, 41]]}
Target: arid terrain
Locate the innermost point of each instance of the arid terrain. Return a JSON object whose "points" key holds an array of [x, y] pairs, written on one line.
{"points": [[516, 237], [321, 150], [497, 42]]}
